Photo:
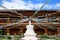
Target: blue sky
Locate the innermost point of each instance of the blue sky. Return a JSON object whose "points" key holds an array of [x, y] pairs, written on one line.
{"points": [[29, 4]]}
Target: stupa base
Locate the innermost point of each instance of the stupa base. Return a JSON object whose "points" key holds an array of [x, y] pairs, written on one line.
{"points": [[30, 39]]}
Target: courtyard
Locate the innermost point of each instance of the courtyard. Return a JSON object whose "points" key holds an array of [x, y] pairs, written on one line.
{"points": [[18, 37]]}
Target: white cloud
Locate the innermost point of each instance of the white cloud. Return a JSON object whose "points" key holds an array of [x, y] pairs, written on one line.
{"points": [[20, 4], [58, 5], [48, 6], [17, 4], [1, 8], [55, 6], [34, 6]]}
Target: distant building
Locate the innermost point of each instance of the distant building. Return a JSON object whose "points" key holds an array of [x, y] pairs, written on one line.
{"points": [[46, 22]]}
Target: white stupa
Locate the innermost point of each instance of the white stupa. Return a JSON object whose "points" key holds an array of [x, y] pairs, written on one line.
{"points": [[30, 34]]}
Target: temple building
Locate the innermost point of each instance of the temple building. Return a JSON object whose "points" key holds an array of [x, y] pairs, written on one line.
{"points": [[46, 22]]}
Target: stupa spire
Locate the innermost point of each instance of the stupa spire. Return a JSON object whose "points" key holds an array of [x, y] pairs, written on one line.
{"points": [[29, 22]]}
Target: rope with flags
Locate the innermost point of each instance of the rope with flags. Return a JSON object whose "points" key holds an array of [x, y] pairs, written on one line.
{"points": [[40, 8]]}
